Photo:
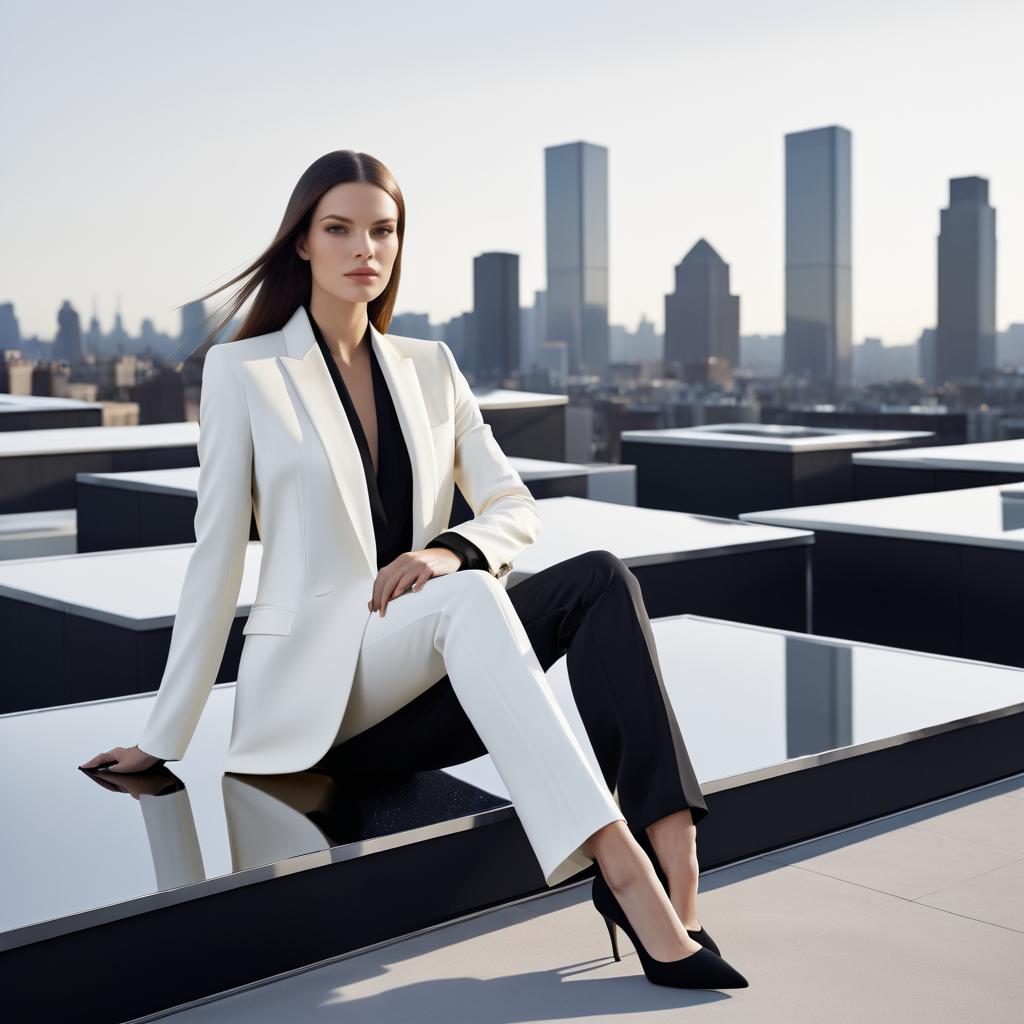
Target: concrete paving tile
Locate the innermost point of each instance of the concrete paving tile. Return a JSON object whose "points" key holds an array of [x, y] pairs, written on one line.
{"points": [[998, 821], [996, 897], [908, 862], [823, 932], [760, 906], [747, 907], [899, 965], [557, 900], [912, 964], [507, 968]]}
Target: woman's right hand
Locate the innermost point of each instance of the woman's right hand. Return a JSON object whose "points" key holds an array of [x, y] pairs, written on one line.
{"points": [[123, 759]]}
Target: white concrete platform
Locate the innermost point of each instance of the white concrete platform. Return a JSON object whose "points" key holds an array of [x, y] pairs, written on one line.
{"points": [[774, 437], [38, 534], [641, 536], [975, 516], [134, 588], [73, 440], [985, 456], [494, 399]]}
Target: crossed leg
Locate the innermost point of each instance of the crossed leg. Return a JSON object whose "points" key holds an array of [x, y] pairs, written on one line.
{"points": [[406, 714], [465, 623]]}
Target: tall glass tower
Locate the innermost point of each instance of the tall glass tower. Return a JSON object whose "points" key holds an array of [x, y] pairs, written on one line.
{"points": [[819, 329], [496, 316], [576, 218], [965, 337]]}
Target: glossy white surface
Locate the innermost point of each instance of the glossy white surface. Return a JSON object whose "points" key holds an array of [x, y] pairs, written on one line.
{"points": [[972, 515], [47, 521], [570, 526], [540, 469], [773, 437], [42, 403], [139, 588], [185, 481], [996, 456], [505, 398], [135, 588], [65, 440], [38, 534]]}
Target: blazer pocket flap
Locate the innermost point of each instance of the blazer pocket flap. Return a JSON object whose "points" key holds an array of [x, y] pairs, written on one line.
{"points": [[269, 618]]}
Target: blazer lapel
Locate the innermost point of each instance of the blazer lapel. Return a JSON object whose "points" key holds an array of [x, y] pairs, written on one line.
{"points": [[312, 379], [404, 384]]}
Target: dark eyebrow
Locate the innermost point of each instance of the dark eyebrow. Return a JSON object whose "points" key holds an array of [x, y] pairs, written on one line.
{"points": [[348, 220]]}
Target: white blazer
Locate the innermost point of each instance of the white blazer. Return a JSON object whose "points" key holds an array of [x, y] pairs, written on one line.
{"points": [[274, 438]]}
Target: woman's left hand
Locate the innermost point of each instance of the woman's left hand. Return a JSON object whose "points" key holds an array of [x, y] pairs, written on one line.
{"points": [[409, 571]]}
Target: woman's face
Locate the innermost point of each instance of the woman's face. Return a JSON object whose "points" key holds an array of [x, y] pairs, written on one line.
{"points": [[353, 227]]}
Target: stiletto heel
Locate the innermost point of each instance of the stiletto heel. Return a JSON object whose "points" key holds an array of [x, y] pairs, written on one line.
{"points": [[613, 936], [697, 934], [702, 969]]}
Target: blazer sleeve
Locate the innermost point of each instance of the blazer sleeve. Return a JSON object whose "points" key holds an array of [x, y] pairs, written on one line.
{"points": [[213, 576], [470, 555], [505, 517]]}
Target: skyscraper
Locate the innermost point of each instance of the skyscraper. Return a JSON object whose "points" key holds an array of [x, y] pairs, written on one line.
{"points": [[10, 331], [495, 316], [576, 218], [702, 319], [926, 356], [965, 338], [818, 345], [68, 343], [190, 337]]}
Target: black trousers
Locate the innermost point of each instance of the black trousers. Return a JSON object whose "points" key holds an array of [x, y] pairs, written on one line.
{"points": [[590, 609]]}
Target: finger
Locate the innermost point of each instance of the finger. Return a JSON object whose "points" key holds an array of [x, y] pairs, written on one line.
{"points": [[385, 595], [101, 758], [388, 591], [407, 582], [421, 577]]}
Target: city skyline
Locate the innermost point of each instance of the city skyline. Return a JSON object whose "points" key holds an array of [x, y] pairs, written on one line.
{"points": [[138, 212]]}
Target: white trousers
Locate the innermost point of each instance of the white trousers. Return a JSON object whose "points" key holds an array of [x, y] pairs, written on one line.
{"points": [[463, 624]]}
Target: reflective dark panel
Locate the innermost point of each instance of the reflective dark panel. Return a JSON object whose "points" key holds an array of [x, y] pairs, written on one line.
{"points": [[78, 842]]}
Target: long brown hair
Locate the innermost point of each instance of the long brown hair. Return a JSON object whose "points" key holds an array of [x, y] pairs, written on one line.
{"points": [[280, 277]]}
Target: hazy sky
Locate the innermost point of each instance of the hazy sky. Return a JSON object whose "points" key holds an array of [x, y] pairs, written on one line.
{"points": [[150, 149]]}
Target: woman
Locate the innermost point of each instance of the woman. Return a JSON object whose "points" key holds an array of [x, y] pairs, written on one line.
{"points": [[347, 443]]}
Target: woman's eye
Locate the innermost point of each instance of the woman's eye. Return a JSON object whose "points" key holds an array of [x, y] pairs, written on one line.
{"points": [[338, 227]]}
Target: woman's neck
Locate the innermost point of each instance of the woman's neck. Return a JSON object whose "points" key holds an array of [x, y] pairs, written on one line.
{"points": [[343, 324]]}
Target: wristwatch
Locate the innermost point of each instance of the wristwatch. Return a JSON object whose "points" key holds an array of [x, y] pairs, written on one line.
{"points": [[503, 569]]}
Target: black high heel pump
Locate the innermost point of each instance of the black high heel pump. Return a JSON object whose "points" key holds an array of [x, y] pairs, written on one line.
{"points": [[697, 934], [702, 969]]}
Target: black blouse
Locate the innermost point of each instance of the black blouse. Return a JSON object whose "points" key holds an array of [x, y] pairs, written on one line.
{"points": [[390, 488]]}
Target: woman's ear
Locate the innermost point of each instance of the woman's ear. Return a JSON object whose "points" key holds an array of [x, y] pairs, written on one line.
{"points": [[300, 245]]}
